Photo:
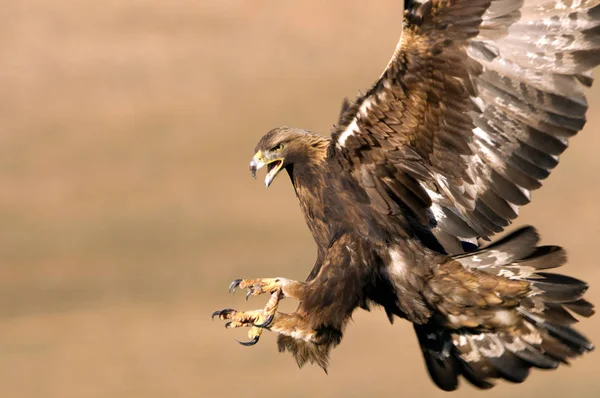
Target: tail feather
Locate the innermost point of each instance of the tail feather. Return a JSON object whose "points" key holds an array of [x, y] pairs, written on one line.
{"points": [[581, 307], [536, 358], [497, 354], [510, 367], [557, 288], [436, 346], [545, 257], [519, 245], [550, 312], [565, 334], [541, 336], [555, 349], [478, 374]]}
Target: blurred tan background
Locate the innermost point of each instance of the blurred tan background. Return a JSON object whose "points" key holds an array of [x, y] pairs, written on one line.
{"points": [[126, 206]]}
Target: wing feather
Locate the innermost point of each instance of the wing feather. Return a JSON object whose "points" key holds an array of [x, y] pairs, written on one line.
{"points": [[473, 110]]}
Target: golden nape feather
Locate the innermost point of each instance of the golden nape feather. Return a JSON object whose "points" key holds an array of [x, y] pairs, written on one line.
{"points": [[470, 115]]}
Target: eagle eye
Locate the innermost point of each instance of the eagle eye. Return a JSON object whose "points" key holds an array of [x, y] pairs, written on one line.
{"points": [[278, 148]]}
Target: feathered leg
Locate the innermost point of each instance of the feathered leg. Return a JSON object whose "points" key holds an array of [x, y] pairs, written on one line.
{"points": [[327, 301], [295, 333]]}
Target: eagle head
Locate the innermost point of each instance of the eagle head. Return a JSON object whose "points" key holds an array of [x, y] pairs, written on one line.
{"points": [[280, 148]]}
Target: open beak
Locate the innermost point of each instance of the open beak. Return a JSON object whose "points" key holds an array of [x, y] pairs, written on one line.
{"points": [[273, 167]]}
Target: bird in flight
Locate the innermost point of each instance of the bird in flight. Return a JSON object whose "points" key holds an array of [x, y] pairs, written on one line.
{"points": [[471, 113]]}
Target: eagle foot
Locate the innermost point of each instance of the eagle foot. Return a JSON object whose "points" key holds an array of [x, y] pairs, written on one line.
{"points": [[259, 286], [266, 318], [256, 320]]}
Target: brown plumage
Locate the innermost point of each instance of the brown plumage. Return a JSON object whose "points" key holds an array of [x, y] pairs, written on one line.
{"points": [[470, 115]]}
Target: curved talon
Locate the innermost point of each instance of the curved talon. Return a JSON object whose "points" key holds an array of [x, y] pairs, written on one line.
{"points": [[249, 343], [248, 294], [234, 285], [227, 325], [265, 323], [220, 313]]}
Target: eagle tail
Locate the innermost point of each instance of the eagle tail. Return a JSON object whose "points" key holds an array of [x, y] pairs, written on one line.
{"points": [[542, 336]]}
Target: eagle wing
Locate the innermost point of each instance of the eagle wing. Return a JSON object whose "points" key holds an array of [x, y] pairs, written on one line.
{"points": [[472, 111]]}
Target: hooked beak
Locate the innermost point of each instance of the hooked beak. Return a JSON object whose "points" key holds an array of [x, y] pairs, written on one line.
{"points": [[274, 166]]}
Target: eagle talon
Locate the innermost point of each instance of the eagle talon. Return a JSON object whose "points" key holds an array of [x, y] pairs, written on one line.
{"points": [[265, 323], [222, 314], [249, 343], [234, 285], [248, 294]]}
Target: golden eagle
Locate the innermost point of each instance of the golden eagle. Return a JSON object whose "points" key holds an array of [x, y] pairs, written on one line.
{"points": [[472, 111]]}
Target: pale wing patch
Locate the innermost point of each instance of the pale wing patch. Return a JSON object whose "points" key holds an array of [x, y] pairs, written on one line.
{"points": [[351, 129], [438, 212], [353, 126]]}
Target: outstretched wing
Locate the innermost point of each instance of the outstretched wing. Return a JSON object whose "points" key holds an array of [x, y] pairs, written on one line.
{"points": [[472, 111]]}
